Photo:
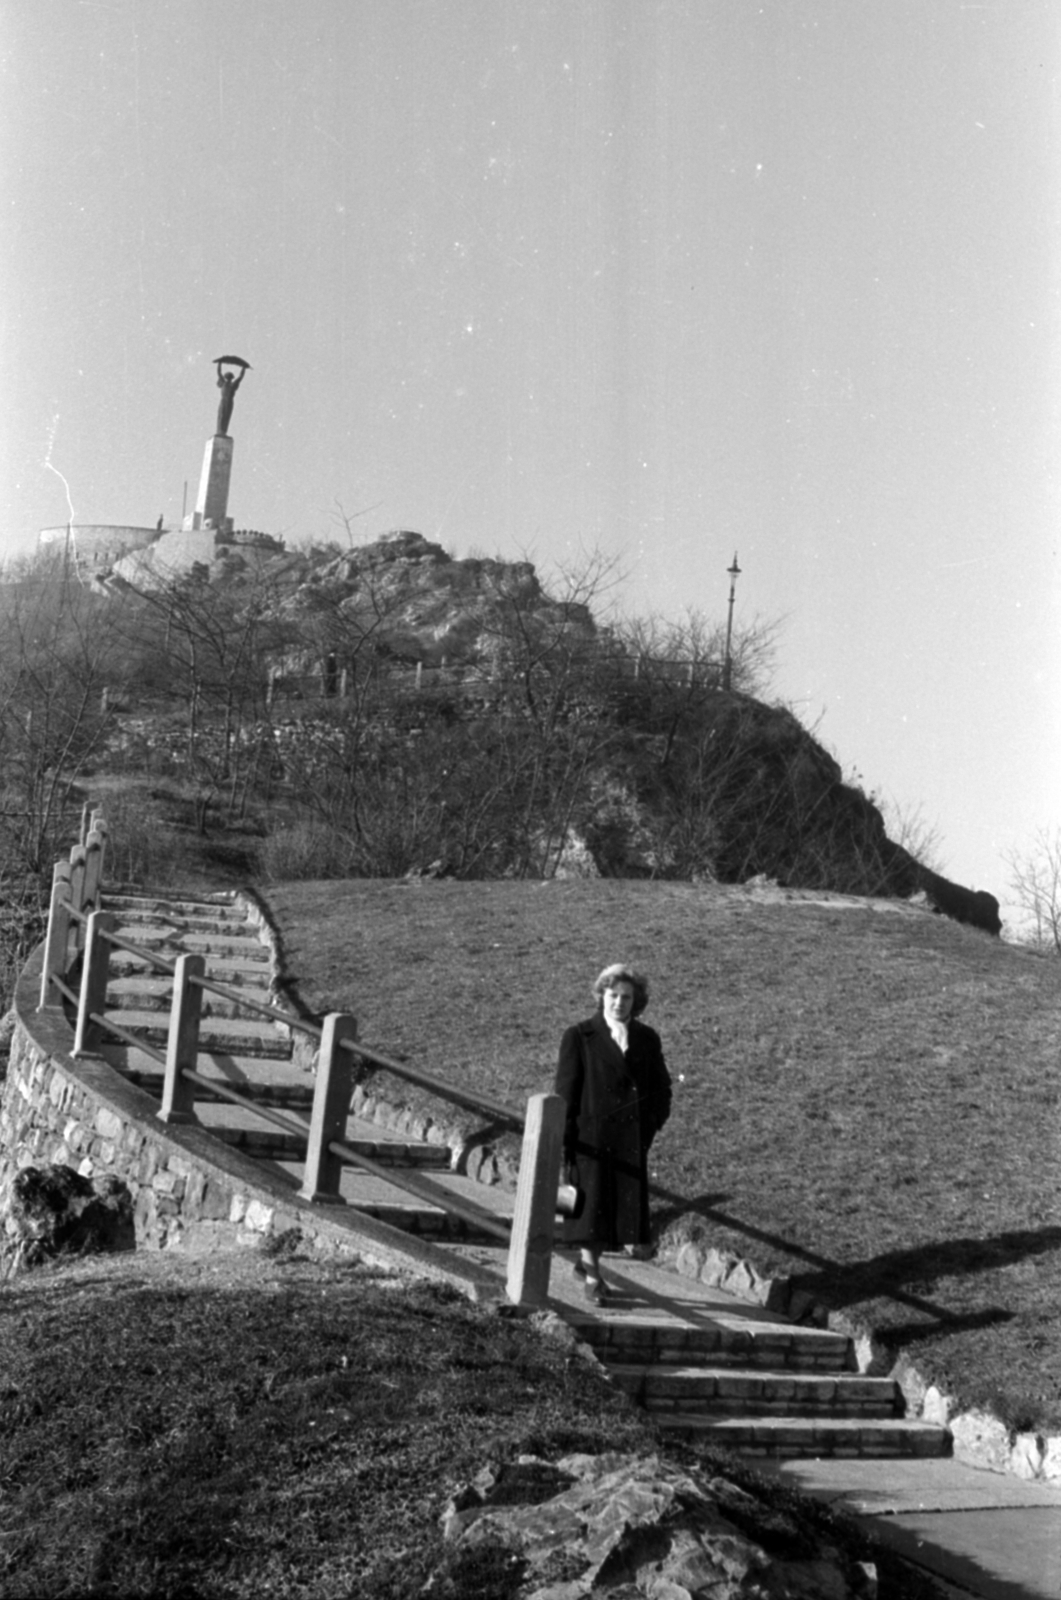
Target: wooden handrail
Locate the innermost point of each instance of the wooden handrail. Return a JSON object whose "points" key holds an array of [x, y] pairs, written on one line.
{"points": [[495, 1109], [529, 1237]]}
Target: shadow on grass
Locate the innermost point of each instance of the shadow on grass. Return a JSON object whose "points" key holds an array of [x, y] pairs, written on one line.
{"points": [[886, 1276]]}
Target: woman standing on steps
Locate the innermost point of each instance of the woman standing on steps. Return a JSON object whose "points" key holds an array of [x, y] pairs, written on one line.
{"points": [[613, 1077]]}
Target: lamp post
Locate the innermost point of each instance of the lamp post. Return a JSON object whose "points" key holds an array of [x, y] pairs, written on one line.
{"points": [[727, 665]]}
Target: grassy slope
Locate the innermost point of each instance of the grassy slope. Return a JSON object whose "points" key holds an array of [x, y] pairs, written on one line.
{"points": [[238, 1427], [878, 1088]]}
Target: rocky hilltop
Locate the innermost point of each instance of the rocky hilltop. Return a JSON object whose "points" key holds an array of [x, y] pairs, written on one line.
{"points": [[534, 741]]}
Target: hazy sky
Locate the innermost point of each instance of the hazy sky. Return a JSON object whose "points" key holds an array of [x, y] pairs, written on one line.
{"points": [[671, 278]]}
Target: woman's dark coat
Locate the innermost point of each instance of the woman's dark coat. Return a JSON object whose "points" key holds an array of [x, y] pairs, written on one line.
{"points": [[616, 1104]]}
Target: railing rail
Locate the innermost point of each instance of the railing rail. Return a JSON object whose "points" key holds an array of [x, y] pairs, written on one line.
{"points": [[80, 929], [487, 676]]}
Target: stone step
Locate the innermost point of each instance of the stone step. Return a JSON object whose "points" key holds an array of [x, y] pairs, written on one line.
{"points": [[280, 1095], [752, 1392], [217, 1034], [153, 908], [232, 970], [226, 945], [169, 943], [779, 1437], [176, 926], [388, 1202], [731, 1342], [273, 1081], [239, 1126], [142, 993]]}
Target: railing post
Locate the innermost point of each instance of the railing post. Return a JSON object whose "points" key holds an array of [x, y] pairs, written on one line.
{"points": [[77, 879], [93, 871], [57, 942], [93, 982], [331, 1107], [182, 1046], [531, 1249]]}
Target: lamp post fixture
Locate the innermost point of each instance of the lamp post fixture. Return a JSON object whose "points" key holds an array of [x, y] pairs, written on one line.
{"points": [[727, 665]]}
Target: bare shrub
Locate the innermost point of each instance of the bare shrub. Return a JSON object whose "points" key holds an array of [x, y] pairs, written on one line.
{"points": [[305, 850]]}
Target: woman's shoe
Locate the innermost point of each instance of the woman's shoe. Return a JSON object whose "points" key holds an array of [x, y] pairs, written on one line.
{"points": [[593, 1288]]}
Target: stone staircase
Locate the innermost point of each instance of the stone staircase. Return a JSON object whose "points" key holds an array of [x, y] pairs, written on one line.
{"points": [[708, 1367], [254, 1056], [761, 1386]]}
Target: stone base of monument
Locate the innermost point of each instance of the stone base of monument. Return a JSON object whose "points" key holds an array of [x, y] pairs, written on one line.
{"points": [[211, 506]]}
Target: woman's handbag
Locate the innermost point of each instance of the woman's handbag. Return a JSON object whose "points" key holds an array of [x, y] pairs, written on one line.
{"points": [[569, 1197]]}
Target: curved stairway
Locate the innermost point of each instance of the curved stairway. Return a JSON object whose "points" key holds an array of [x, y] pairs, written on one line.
{"points": [[707, 1366]]}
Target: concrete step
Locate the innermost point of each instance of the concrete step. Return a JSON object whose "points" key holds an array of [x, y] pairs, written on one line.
{"points": [[217, 1034], [153, 908], [240, 1126], [231, 970], [751, 1392], [780, 1437], [142, 993], [725, 1341], [227, 945], [178, 925], [275, 1081], [424, 1214]]}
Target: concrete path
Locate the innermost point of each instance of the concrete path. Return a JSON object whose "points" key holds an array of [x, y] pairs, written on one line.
{"points": [[984, 1533]]}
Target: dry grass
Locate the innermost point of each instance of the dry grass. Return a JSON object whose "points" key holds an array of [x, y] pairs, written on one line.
{"points": [[240, 1426], [866, 1099], [174, 1428]]}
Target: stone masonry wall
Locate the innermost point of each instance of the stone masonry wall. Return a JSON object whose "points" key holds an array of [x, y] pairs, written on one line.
{"points": [[188, 1189]]}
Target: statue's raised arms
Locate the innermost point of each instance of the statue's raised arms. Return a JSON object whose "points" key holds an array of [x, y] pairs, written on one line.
{"points": [[228, 383]]}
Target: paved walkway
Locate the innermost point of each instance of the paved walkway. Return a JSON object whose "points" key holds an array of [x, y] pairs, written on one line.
{"points": [[985, 1533]]}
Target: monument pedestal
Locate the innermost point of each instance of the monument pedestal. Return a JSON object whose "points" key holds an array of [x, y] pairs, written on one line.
{"points": [[211, 507]]}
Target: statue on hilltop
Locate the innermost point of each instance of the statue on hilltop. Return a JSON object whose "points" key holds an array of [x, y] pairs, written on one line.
{"points": [[228, 383]]}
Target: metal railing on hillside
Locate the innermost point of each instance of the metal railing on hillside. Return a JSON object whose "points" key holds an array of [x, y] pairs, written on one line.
{"points": [[79, 929], [486, 678]]}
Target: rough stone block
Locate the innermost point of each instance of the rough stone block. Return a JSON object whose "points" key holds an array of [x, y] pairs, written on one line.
{"points": [[55, 1209], [741, 1280], [689, 1260], [108, 1123], [717, 1265], [936, 1407], [980, 1440], [216, 1204], [1026, 1456]]}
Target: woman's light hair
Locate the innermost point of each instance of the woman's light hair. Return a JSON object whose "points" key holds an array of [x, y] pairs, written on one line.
{"points": [[619, 972]]}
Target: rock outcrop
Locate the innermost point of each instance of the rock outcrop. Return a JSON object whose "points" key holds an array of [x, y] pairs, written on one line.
{"points": [[53, 1210], [635, 1525]]}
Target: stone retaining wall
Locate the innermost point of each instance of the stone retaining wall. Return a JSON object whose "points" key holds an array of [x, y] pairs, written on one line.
{"points": [[188, 1189]]}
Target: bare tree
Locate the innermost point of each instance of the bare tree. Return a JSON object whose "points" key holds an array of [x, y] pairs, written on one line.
{"points": [[1036, 884], [54, 663], [908, 826]]}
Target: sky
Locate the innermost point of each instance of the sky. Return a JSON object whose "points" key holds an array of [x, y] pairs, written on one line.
{"points": [[658, 279]]}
